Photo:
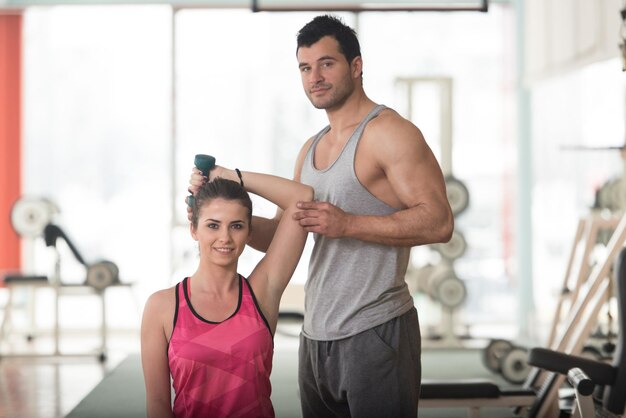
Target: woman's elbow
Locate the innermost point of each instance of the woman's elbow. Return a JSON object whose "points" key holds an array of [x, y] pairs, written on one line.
{"points": [[307, 194]]}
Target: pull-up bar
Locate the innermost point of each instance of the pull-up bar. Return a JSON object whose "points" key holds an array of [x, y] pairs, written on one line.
{"points": [[371, 6]]}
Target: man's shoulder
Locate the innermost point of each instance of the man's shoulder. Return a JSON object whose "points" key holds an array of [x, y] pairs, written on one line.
{"points": [[305, 147], [390, 125], [301, 156], [390, 115]]}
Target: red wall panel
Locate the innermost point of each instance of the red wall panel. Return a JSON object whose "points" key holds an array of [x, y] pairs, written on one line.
{"points": [[10, 135]]}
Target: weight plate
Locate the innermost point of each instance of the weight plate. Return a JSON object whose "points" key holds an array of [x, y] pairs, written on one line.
{"points": [[611, 195], [494, 352], [458, 195], [451, 292], [618, 195], [431, 281], [417, 278], [101, 275], [603, 196], [115, 270], [514, 365], [453, 249], [29, 216]]}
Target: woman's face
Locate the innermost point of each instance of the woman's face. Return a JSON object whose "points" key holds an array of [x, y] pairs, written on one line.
{"points": [[223, 231]]}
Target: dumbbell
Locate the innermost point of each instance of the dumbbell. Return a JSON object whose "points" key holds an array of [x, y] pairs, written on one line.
{"points": [[204, 163], [511, 361], [446, 288], [453, 249], [102, 274], [457, 193]]}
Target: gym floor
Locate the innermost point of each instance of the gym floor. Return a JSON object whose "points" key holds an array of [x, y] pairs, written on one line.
{"points": [[34, 384]]}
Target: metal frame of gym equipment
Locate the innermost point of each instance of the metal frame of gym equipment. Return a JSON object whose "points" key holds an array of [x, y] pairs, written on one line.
{"points": [[59, 290], [502, 356], [31, 218], [583, 402], [610, 378], [539, 397], [583, 390], [579, 265]]}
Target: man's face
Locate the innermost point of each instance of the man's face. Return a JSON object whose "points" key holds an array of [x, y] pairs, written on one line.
{"points": [[327, 77]]}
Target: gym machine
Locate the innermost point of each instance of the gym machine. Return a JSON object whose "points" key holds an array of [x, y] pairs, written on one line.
{"points": [[32, 218], [583, 390], [508, 359], [593, 231], [539, 396]]}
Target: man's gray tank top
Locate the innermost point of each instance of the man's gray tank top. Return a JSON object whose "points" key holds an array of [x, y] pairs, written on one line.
{"points": [[353, 285]]}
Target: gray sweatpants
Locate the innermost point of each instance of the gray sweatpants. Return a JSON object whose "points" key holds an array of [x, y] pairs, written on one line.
{"points": [[375, 373]]}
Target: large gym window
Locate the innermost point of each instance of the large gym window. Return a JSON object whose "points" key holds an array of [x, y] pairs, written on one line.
{"points": [[96, 136], [113, 120]]}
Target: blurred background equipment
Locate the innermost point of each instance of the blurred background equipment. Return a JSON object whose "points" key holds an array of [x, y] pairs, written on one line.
{"points": [[437, 277], [33, 219]]}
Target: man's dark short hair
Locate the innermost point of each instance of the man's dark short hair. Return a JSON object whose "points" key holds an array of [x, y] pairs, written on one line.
{"points": [[328, 25]]}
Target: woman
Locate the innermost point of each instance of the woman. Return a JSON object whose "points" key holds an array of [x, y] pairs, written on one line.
{"points": [[213, 332]]}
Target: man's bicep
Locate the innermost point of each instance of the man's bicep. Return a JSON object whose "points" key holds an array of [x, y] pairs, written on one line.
{"points": [[414, 174]]}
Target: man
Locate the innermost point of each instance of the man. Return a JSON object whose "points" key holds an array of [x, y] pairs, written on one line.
{"points": [[379, 191]]}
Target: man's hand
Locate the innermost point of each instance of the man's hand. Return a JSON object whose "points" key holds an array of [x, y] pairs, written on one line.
{"points": [[322, 218]]}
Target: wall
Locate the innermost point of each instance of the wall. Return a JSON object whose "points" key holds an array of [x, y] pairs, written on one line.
{"points": [[564, 35], [10, 131]]}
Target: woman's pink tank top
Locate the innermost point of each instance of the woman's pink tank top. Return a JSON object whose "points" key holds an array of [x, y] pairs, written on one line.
{"points": [[221, 369]]}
